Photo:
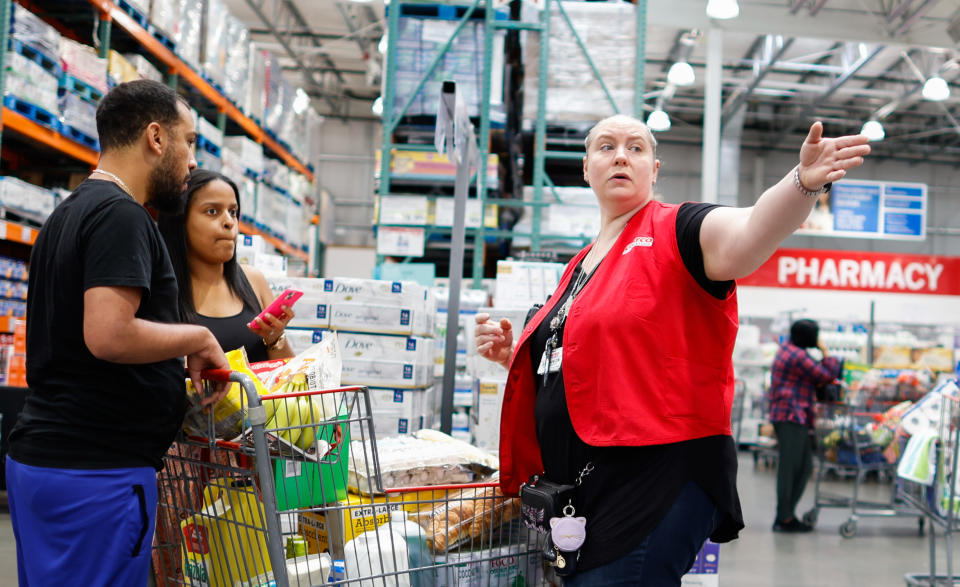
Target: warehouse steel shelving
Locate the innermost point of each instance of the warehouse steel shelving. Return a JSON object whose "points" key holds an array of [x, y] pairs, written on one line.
{"points": [[493, 25]]}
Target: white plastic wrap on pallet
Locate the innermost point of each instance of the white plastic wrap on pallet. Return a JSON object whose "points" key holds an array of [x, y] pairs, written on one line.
{"points": [[81, 61], [272, 80], [209, 131], [253, 102], [188, 31], [164, 15], [30, 29], [26, 197], [79, 114], [119, 69], [31, 83], [214, 57], [207, 160], [143, 66], [294, 223], [608, 30], [237, 65], [276, 173], [250, 152]]}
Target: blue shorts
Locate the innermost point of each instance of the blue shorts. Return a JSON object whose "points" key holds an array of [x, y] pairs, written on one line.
{"points": [[82, 527]]}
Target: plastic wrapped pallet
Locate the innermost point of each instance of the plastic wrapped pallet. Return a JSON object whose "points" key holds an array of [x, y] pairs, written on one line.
{"points": [[207, 160], [31, 83], [255, 98], [293, 225], [276, 173], [119, 69], [26, 197], [209, 131], [79, 114], [164, 15], [250, 152], [272, 98], [608, 30], [214, 54], [188, 31], [81, 61], [146, 69], [31, 30], [237, 64]]}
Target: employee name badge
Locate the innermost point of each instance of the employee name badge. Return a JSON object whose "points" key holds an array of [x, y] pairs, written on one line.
{"points": [[556, 357]]}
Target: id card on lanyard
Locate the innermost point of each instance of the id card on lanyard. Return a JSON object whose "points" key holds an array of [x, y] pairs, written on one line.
{"points": [[551, 364]]}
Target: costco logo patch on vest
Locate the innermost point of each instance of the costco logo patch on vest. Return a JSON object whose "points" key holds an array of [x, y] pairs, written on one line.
{"points": [[852, 270], [640, 241]]}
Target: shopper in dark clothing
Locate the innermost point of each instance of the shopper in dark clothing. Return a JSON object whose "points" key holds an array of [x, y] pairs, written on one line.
{"points": [[215, 290], [792, 395], [105, 355], [626, 372]]}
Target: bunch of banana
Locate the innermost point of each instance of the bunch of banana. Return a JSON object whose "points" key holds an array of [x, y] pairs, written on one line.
{"points": [[293, 418]]}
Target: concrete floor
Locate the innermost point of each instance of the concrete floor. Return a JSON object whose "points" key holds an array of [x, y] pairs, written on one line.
{"points": [[883, 550]]}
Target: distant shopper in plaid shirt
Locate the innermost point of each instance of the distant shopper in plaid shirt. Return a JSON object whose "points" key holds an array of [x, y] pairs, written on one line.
{"points": [[793, 391]]}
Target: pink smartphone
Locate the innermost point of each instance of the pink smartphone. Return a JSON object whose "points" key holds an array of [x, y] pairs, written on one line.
{"points": [[287, 298]]}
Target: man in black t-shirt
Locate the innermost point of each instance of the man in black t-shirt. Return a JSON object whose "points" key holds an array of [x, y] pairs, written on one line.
{"points": [[104, 355]]}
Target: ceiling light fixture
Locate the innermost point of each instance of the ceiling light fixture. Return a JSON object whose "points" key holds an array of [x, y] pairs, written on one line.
{"points": [[658, 121], [723, 9], [681, 74], [936, 89], [873, 130]]}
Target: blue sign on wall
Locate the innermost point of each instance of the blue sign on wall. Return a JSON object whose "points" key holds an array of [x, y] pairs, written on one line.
{"points": [[870, 209]]}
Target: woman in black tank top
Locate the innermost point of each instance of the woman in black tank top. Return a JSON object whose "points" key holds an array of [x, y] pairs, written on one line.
{"points": [[214, 290]]}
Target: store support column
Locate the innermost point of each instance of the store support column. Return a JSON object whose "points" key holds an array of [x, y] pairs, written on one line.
{"points": [[454, 136]]}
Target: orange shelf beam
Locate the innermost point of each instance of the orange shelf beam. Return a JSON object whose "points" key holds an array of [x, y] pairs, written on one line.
{"points": [[178, 67], [11, 231], [18, 123], [279, 244]]}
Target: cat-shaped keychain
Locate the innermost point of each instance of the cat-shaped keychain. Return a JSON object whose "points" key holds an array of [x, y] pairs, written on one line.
{"points": [[567, 534]]}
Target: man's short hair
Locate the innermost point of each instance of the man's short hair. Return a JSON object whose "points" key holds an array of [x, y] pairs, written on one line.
{"points": [[129, 108]]}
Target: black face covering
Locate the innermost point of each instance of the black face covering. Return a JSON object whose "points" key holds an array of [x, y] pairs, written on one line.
{"points": [[804, 333]]}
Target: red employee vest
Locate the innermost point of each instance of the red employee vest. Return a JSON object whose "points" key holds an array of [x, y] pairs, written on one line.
{"points": [[646, 353]]}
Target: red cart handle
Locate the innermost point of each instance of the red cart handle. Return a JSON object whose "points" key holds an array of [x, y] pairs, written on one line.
{"points": [[216, 374]]}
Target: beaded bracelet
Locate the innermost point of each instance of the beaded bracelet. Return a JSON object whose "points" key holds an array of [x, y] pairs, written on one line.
{"points": [[805, 191]]}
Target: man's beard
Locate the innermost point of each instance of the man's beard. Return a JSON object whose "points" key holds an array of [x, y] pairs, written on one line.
{"points": [[164, 187]]}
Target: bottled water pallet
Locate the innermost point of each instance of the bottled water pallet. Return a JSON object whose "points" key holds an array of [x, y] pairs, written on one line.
{"points": [[133, 13], [80, 88], [34, 113], [79, 136], [47, 62]]}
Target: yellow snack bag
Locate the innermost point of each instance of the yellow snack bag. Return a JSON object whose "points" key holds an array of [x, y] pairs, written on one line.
{"points": [[229, 414]]}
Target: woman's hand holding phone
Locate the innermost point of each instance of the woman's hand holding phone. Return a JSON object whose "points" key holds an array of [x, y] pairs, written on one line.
{"points": [[271, 323]]}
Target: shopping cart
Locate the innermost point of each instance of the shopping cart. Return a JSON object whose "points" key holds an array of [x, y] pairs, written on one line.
{"points": [[283, 503], [845, 448]]}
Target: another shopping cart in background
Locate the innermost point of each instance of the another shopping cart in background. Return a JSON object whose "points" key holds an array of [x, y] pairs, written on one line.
{"points": [[849, 444], [297, 499]]}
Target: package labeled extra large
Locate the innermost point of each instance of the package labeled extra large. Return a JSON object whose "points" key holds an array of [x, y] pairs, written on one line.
{"points": [[429, 457]]}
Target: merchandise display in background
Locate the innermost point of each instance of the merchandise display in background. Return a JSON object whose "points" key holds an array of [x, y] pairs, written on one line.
{"points": [[78, 113], [81, 61], [29, 82], [608, 30], [236, 69], [143, 66], [164, 15], [31, 30], [521, 284], [26, 197], [214, 58], [419, 41], [253, 103], [120, 70], [187, 31]]}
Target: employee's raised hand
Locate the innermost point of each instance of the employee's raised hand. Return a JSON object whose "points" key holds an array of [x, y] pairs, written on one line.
{"points": [[825, 160], [494, 340]]}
